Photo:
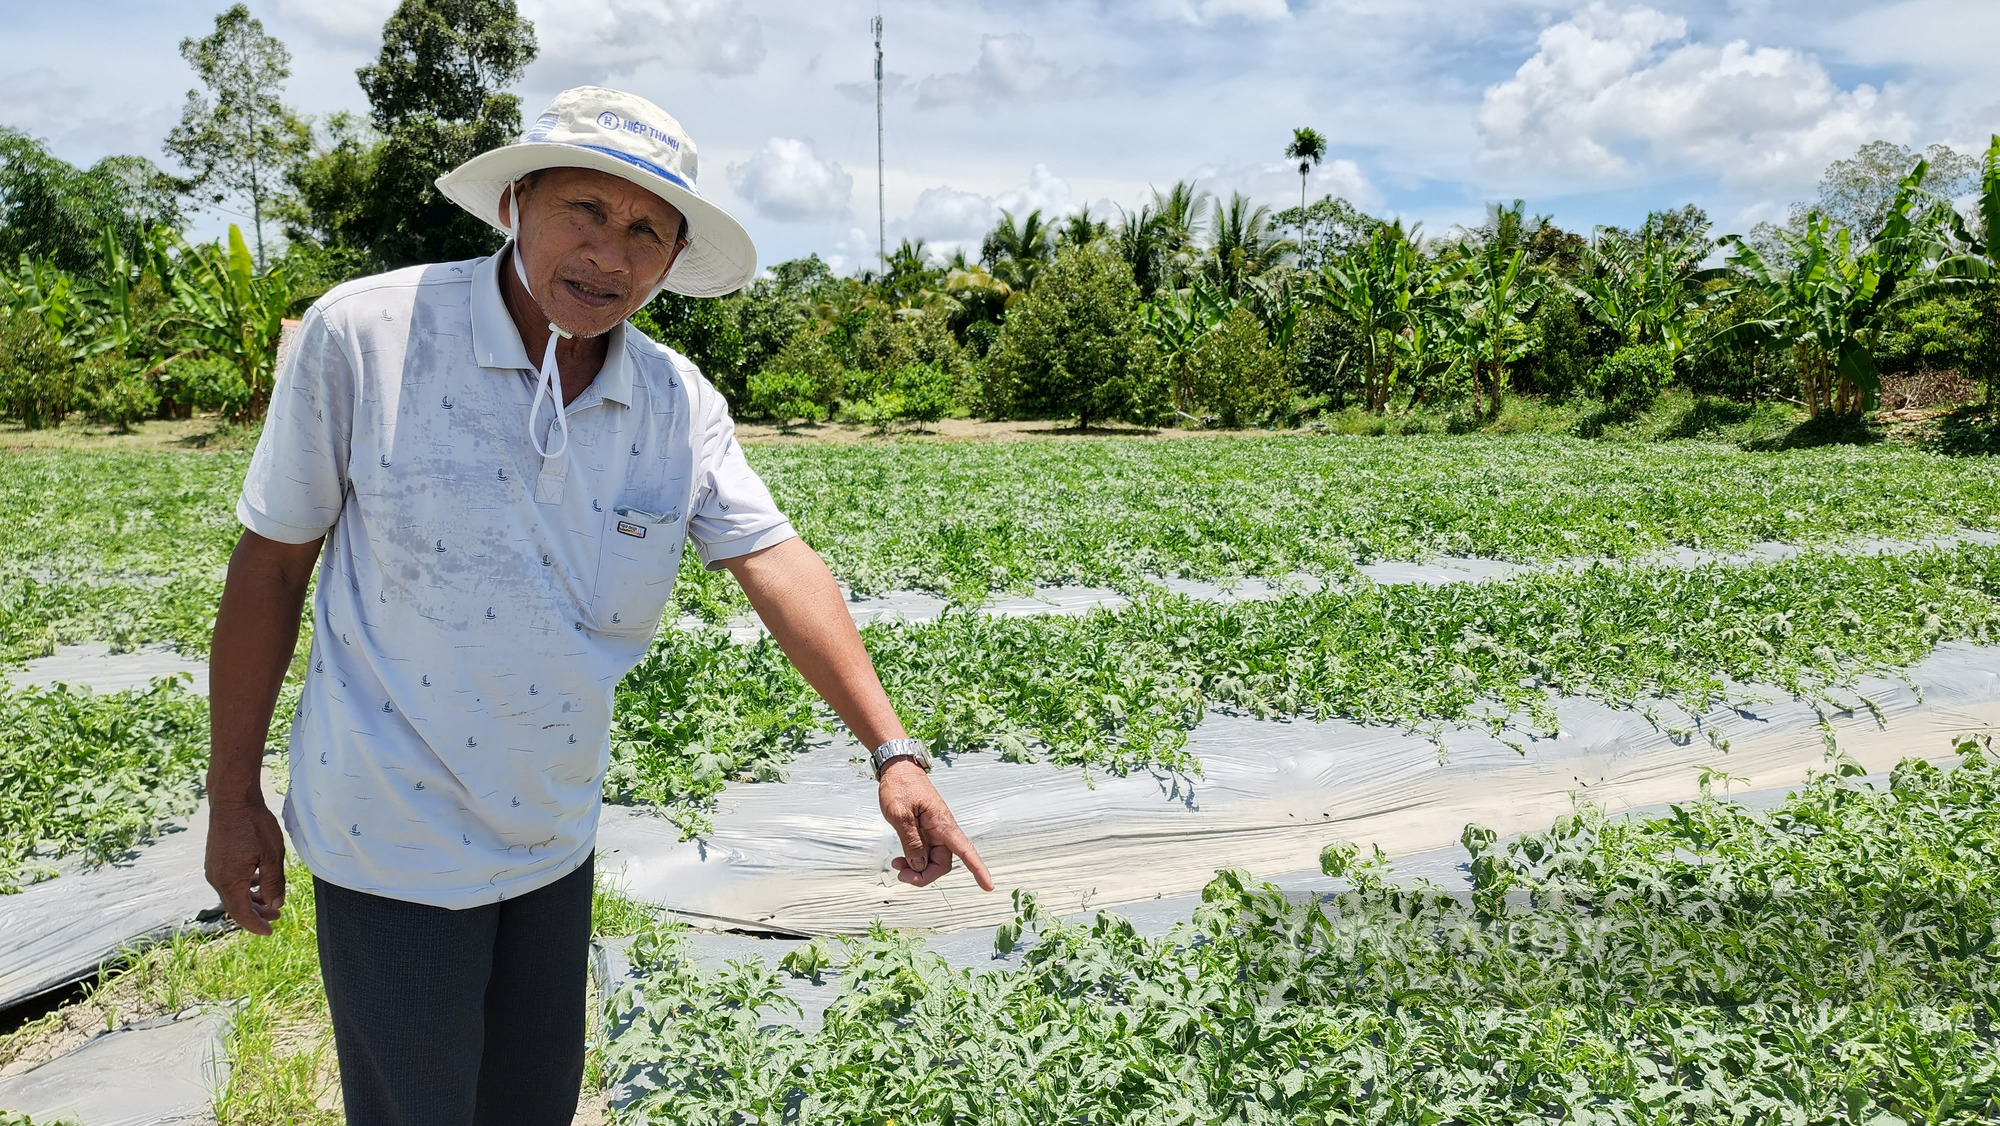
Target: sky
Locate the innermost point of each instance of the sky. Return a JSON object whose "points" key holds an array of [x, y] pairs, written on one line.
{"points": [[1592, 112]]}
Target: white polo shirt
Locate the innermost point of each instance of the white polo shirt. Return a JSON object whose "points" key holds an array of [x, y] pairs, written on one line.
{"points": [[477, 605]]}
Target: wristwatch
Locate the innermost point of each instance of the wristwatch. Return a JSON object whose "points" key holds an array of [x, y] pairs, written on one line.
{"points": [[899, 748]]}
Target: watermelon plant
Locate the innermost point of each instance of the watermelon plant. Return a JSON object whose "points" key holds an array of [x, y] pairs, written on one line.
{"points": [[1831, 961]]}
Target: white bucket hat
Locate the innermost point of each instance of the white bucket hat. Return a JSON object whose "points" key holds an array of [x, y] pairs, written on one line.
{"points": [[629, 137]]}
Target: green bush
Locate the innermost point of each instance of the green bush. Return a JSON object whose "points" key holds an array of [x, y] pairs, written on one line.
{"points": [[1560, 364], [786, 396], [37, 372], [1238, 378], [801, 382], [112, 391], [1632, 376], [1067, 349], [194, 384]]}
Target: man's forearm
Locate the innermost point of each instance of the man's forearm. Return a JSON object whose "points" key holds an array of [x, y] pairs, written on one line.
{"points": [[256, 630], [801, 604]]}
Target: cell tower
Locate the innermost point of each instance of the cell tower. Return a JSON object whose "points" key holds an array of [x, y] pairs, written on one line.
{"points": [[881, 206]]}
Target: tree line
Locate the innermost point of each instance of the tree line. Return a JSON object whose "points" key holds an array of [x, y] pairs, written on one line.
{"points": [[1192, 309]]}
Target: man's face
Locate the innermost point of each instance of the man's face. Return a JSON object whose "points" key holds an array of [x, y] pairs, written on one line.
{"points": [[596, 245]]}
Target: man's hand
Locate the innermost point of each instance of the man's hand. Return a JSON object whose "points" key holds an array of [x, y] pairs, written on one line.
{"points": [[930, 835], [246, 862], [801, 604]]}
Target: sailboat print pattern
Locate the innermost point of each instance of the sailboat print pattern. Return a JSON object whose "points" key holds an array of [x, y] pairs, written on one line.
{"points": [[428, 432]]}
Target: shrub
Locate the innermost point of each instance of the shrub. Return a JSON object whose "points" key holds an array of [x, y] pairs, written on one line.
{"points": [[37, 372], [112, 391], [1561, 363], [1631, 377], [786, 396], [1237, 376], [1067, 348], [200, 383], [801, 382]]}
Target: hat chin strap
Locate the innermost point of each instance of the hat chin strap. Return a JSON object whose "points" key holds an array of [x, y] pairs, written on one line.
{"points": [[548, 384]]}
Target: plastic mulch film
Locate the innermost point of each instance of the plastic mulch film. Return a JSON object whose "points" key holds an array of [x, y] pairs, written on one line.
{"points": [[162, 1072], [810, 856]]}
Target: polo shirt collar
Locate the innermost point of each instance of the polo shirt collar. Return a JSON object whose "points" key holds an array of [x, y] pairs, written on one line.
{"points": [[496, 343]]}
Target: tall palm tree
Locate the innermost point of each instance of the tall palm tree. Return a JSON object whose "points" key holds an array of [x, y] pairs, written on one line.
{"points": [[1082, 228], [1140, 239], [1016, 250], [1308, 147], [1244, 243], [1179, 212]]}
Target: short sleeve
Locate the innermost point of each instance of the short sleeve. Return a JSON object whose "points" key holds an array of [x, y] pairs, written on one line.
{"points": [[298, 475], [734, 514]]}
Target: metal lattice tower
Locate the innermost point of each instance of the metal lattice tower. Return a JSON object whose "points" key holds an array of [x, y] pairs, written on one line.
{"points": [[881, 205]]}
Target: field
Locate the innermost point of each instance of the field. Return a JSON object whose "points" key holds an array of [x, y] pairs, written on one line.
{"points": [[1709, 962]]}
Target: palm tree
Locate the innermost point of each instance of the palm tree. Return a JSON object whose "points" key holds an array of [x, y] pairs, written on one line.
{"points": [[908, 274], [1244, 243], [1016, 251], [1140, 239], [1082, 228], [1179, 213], [1308, 147]]}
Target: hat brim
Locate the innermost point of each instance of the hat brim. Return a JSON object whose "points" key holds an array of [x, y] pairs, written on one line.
{"points": [[719, 257]]}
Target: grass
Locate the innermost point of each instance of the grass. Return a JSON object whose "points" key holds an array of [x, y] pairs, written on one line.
{"points": [[282, 1063], [1830, 961]]}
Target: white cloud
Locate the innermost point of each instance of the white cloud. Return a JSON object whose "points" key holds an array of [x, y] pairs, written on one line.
{"points": [[352, 23], [787, 180], [591, 39], [949, 218], [1204, 12], [1277, 183], [1607, 92], [1008, 68]]}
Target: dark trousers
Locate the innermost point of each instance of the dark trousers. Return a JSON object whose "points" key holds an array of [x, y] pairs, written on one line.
{"points": [[458, 1018]]}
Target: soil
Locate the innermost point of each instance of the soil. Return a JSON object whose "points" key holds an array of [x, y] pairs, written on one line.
{"points": [[203, 432]]}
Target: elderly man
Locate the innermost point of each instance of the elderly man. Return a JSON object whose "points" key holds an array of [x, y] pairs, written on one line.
{"points": [[496, 540]]}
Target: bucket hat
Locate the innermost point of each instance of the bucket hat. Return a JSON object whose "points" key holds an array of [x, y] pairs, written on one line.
{"points": [[629, 137]]}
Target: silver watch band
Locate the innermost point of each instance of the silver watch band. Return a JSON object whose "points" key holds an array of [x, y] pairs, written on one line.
{"points": [[899, 748]]}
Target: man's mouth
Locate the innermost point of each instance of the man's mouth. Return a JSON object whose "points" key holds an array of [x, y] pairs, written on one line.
{"points": [[590, 295]]}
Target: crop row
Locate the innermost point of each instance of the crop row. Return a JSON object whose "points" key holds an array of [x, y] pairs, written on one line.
{"points": [[1830, 961], [1119, 688], [92, 774], [969, 519]]}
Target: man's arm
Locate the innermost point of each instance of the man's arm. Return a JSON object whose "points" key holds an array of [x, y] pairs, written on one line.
{"points": [[801, 604], [256, 630]]}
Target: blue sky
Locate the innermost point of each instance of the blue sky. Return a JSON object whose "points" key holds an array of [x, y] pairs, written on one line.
{"points": [[1594, 112]]}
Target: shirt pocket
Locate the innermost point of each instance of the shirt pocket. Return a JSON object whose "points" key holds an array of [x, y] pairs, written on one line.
{"points": [[640, 556]]}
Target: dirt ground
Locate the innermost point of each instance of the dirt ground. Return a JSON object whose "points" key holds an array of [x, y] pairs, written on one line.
{"points": [[207, 432], [203, 432]]}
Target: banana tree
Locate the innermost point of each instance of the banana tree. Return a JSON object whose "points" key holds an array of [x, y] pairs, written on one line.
{"points": [[1176, 320], [1646, 289], [1975, 261], [1378, 291], [226, 309], [1495, 296], [1830, 306]]}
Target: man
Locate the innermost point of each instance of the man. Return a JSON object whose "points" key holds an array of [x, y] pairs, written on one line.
{"points": [[496, 540]]}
